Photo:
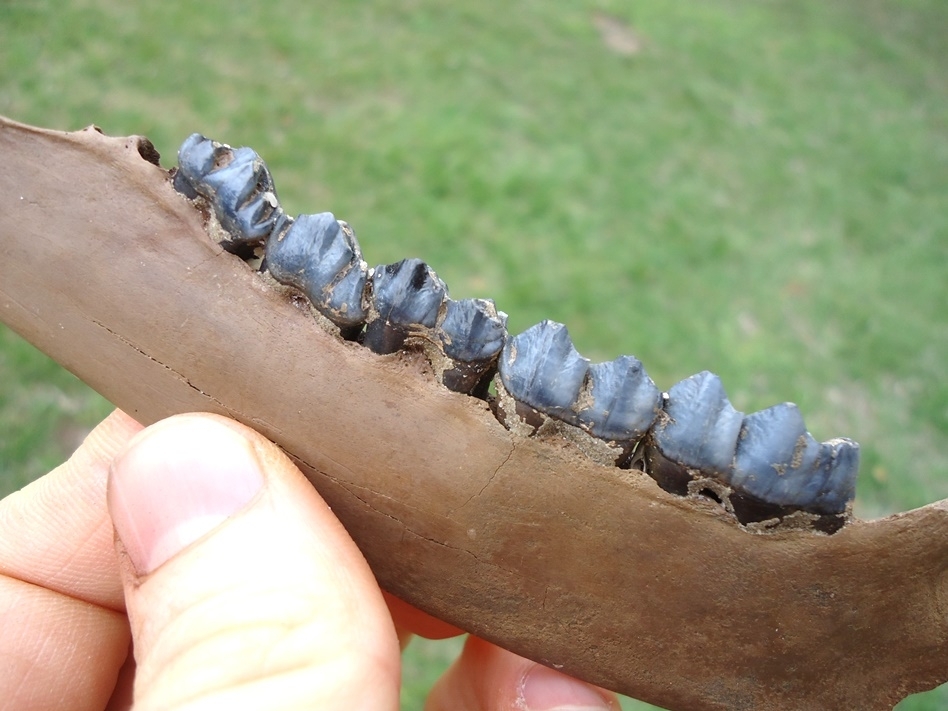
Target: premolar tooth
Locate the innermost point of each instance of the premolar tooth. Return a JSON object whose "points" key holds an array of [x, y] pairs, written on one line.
{"points": [[625, 401], [244, 197], [541, 368], [236, 182], [699, 428], [406, 296], [319, 255], [472, 333], [196, 159]]}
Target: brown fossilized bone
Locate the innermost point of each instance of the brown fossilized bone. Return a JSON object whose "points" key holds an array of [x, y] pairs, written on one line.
{"points": [[524, 541]]}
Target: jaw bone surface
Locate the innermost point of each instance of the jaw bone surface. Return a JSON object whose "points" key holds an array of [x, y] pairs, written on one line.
{"points": [[693, 433]]}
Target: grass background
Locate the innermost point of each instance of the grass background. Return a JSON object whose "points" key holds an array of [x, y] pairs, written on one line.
{"points": [[753, 188]]}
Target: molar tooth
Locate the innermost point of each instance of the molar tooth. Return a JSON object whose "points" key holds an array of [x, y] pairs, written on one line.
{"points": [[839, 459], [319, 255], [625, 401], [541, 368], [776, 458], [699, 428], [472, 334], [406, 296]]}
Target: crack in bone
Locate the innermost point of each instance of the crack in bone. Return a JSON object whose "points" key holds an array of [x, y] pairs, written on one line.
{"points": [[167, 367]]}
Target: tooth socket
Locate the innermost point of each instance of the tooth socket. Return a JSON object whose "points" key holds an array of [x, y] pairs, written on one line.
{"points": [[541, 368], [472, 334], [405, 300], [319, 255]]}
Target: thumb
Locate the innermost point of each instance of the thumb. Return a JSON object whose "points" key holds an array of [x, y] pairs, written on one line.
{"points": [[242, 589]]}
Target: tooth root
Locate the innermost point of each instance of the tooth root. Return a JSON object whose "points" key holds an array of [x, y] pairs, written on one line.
{"points": [[472, 334], [319, 255], [541, 368], [625, 401], [406, 297], [699, 428]]}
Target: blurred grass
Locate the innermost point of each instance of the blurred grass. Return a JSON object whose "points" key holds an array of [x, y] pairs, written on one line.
{"points": [[754, 188]]}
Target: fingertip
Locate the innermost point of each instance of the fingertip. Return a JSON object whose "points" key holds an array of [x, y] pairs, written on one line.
{"points": [[175, 482], [545, 689], [410, 620], [242, 582], [488, 678]]}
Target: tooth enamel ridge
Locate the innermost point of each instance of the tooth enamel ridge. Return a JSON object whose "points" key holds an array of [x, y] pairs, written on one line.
{"points": [[319, 255], [699, 429], [614, 401], [405, 298], [762, 467], [776, 457], [238, 184], [625, 401], [473, 329], [839, 459], [768, 455]]}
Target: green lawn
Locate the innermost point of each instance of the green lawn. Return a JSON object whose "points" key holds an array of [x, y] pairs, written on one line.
{"points": [[753, 188]]}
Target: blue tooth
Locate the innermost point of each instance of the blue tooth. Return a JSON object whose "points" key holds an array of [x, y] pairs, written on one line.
{"points": [[473, 330], [701, 427], [625, 400], [406, 295], [196, 158], [541, 368], [243, 197], [776, 458], [320, 256], [472, 334], [839, 459]]}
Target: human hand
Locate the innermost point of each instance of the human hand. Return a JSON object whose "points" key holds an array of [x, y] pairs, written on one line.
{"points": [[197, 543]]}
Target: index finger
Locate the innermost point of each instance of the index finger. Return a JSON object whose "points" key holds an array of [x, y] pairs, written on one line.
{"points": [[56, 532]]}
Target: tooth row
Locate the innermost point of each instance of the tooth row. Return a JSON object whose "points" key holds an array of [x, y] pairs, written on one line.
{"points": [[769, 455], [614, 401], [691, 433]]}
